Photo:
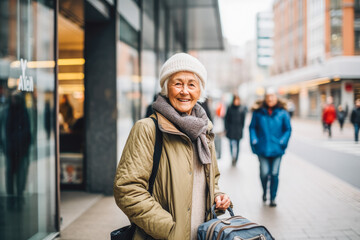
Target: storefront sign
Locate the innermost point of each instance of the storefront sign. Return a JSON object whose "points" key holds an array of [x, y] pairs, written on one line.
{"points": [[26, 83], [348, 87]]}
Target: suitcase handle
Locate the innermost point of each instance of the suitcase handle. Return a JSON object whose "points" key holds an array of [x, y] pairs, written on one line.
{"points": [[214, 216]]}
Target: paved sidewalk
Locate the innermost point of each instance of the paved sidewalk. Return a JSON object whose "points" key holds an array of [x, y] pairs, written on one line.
{"points": [[312, 204]]}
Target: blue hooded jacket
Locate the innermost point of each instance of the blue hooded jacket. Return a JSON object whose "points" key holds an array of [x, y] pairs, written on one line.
{"points": [[270, 134]]}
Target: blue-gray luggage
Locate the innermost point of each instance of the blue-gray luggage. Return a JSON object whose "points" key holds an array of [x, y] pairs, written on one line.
{"points": [[233, 228]]}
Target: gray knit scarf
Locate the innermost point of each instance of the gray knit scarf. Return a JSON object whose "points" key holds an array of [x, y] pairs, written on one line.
{"points": [[194, 125]]}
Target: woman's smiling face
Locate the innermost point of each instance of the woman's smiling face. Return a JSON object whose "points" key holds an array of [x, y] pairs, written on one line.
{"points": [[184, 91]]}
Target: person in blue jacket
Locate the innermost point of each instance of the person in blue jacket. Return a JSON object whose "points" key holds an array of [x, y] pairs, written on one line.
{"points": [[270, 131]]}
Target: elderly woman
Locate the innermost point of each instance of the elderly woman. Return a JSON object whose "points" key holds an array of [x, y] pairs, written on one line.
{"points": [[186, 184], [269, 136]]}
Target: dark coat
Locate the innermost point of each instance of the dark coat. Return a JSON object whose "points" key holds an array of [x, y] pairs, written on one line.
{"points": [[341, 115], [234, 122], [270, 134], [355, 116]]}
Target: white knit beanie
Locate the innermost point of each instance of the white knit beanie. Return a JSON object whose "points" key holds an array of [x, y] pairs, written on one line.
{"points": [[182, 62]]}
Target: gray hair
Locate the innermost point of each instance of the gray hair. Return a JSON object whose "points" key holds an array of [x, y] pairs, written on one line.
{"points": [[164, 89]]}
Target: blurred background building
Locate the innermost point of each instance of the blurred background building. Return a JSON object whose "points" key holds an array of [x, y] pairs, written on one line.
{"points": [[95, 62], [316, 53], [264, 39]]}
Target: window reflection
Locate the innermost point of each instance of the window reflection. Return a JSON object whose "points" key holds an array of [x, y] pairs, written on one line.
{"points": [[128, 88], [27, 138], [336, 38], [148, 57]]}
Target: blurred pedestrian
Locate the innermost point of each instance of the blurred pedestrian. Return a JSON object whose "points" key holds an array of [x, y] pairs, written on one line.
{"points": [[291, 108], [219, 126], [149, 109], [206, 105], [234, 125], [270, 132], [186, 184], [220, 109], [355, 119], [18, 142], [66, 110], [341, 116], [329, 114]]}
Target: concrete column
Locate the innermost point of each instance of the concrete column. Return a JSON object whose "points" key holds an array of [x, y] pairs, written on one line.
{"points": [[100, 101], [304, 102], [347, 97]]}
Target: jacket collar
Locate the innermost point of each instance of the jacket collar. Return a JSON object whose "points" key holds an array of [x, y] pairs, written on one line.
{"points": [[274, 111]]}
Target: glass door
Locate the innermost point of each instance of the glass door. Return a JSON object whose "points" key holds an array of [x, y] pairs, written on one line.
{"points": [[27, 120]]}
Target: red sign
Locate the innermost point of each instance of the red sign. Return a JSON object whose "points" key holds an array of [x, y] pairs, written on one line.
{"points": [[348, 87]]}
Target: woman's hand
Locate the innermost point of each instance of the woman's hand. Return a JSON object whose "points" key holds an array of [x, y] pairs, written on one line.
{"points": [[222, 202]]}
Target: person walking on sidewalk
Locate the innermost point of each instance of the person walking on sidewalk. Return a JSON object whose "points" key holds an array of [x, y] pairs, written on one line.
{"points": [[341, 116], [186, 184], [329, 114], [270, 132], [355, 119], [234, 125]]}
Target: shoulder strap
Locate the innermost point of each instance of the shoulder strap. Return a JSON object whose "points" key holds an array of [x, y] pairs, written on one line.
{"points": [[156, 156]]}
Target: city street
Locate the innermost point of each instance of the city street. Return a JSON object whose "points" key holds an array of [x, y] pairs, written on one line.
{"points": [[339, 155], [313, 203]]}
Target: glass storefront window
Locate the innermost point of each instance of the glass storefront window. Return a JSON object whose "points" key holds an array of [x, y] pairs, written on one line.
{"points": [[27, 124], [336, 27], [148, 56], [128, 90], [357, 26], [71, 94], [162, 36], [314, 103]]}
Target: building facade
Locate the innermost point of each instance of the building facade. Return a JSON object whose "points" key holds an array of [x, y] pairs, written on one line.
{"points": [[74, 77], [264, 38], [289, 35], [316, 53]]}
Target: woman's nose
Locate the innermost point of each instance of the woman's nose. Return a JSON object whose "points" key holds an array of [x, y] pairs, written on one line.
{"points": [[185, 90]]}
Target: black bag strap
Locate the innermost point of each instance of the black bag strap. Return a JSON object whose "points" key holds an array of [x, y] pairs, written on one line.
{"points": [[128, 232], [156, 156]]}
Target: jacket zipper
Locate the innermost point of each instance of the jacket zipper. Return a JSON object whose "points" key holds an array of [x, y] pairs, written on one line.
{"points": [[258, 237], [240, 226]]}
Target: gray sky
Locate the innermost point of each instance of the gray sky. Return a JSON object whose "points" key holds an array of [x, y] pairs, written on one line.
{"points": [[238, 18]]}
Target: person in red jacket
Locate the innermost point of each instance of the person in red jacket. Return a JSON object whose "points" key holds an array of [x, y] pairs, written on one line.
{"points": [[329, 114]]}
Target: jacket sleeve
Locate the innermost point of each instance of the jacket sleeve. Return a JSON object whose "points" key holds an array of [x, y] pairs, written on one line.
{"points": [[217, 177], [252, 130], [131, 183], [243, 115], [352, 117], [227, 119], [324, 113], [286, 128]]}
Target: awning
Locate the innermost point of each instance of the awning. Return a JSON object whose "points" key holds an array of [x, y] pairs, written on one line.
{"points": [[342, 67], [198, 24]]}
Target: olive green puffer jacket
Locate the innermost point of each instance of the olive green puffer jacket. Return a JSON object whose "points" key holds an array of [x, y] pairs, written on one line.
{"points": [[166, 214]]}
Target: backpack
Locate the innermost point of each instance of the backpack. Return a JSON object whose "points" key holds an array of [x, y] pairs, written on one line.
{"points": [[233, 228]]}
